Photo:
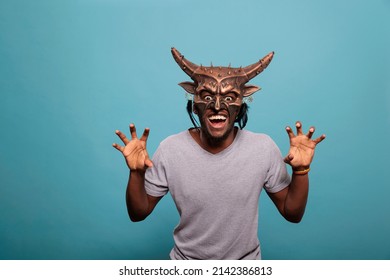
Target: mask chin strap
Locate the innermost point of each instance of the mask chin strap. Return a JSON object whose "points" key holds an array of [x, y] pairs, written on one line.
{"points": [[242, 117], [192, 117]]}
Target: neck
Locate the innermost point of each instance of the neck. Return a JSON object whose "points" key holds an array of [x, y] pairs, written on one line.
{"points": [[210, 145]]}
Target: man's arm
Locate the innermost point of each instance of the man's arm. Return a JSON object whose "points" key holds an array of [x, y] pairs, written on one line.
{"points": [[139, 203], [291, 201]]}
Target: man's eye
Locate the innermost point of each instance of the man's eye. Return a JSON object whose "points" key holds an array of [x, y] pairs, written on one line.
{"points": [[208, 98], [228, 99]]}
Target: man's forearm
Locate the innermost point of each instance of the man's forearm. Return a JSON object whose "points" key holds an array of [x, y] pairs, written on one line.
{"points": [[296, 199], [136, 197]]}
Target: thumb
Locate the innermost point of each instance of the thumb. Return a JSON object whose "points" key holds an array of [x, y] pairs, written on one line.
{"points": [[288, 158], [148, 163]]}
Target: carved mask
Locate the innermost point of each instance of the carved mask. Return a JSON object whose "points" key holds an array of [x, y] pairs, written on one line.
{"points": [[219, 89], [220, 81]]}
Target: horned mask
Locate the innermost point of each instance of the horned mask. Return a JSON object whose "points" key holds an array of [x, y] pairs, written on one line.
{"points": [[219, 81]]}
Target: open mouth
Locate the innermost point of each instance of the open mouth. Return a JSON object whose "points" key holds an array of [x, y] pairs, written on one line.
{"points": [[217, 121]]}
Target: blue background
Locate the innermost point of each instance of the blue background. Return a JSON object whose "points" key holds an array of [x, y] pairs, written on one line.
{"points": [[71, 72]]}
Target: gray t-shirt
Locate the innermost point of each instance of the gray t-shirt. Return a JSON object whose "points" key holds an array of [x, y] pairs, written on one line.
{"points": [[217, 195]]}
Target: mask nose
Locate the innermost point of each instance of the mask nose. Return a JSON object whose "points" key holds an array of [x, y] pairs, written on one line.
{"points": [[217, 103]]}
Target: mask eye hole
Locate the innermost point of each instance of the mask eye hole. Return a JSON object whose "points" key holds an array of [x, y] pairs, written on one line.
{"points": [[230, 97], [206, 96]]}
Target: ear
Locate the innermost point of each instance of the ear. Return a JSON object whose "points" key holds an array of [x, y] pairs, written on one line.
{"points": [[250, 89], [188, 87]]}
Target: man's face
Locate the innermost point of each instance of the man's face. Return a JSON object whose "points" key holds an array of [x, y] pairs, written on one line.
{"points": [[219, 92], [217, 112]]}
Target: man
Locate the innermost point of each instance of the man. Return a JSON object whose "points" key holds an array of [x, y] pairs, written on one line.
{"points": [[215, 172]]}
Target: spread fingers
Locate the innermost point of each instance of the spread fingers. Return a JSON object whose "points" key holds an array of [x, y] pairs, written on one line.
{"points": [[122, 136], [133, 131], [145, 135], [319, 139], [298, 125], [118, 147], [311, 131], [289, 132]]}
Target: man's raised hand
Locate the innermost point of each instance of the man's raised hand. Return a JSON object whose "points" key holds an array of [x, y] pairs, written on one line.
{"points": [[134, 151], [302, 147]]}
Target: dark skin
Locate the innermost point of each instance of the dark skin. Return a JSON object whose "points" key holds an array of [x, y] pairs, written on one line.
{"points": [[290, 202], [139, 203]]}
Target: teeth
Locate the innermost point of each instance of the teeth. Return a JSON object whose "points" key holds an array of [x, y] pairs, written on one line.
{"points": [[217, 117]]}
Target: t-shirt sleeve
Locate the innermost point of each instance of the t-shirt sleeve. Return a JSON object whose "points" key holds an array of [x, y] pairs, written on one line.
{"points": [[277, 176], [156, 183]]}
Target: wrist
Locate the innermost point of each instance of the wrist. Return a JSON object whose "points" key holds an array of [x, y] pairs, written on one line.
{"points": [[138, 172], [303, 170]]}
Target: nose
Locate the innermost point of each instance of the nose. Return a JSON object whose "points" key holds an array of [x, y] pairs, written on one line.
{"points": [[217, 103]]}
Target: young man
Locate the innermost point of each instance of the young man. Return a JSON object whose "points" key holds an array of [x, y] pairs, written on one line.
{"points": [[216, 172]]}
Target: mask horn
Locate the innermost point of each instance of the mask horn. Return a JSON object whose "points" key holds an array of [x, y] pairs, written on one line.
{"points": [[255, 69], [187, 66]]}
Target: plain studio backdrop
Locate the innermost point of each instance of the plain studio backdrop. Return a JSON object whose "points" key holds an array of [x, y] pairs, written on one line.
{"points": [[72, 72]]}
